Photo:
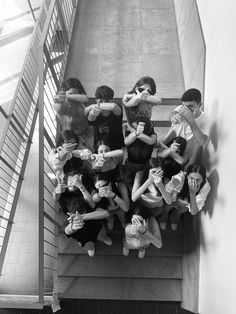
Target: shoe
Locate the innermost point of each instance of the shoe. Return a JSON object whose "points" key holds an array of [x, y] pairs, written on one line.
{"points": [[163, 225], [107, 240], [91, 253], [174, 226], [141, 253], [125, 251]]}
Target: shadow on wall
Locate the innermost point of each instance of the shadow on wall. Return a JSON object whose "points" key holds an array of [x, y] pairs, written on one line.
{"points": [[210, 161]]}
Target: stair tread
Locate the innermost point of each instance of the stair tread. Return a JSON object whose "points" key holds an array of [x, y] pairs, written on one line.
{"points": [[119, 288], [120, 266], [172, 246]]}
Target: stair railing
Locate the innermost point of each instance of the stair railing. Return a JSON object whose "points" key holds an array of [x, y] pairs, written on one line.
{"points": [[42, 73], [53, 52]]}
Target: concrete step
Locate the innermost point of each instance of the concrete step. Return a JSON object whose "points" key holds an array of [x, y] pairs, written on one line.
{"points": [[119, 288], [119, 266], [172, 246]]}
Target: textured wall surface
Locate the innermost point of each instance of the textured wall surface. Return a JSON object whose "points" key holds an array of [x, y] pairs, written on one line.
{"points": [[117, 42], [191, 42]]}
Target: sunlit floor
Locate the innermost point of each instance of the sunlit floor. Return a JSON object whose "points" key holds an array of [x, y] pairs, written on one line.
{"points": [[20, 267]]}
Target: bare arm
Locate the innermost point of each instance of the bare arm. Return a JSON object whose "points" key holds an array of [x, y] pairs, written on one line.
{"points": [[123, 200], [137, 189], [99, 213], [131, 100], [150, 140], [77, 97], [128, 140], [154, 99]]}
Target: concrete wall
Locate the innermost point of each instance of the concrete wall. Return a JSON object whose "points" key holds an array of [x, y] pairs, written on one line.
{"points": [[218, 248], [191, 41]]}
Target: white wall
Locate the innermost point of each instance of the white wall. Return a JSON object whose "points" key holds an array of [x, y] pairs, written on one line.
{"points": [[218, 249]]}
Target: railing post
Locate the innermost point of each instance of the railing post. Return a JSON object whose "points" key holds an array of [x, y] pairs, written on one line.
{"points": [[41, 173]]}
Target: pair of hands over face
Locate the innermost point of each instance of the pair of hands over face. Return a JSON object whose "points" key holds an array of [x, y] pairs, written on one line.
{"points": [[185, 114], [76, 220], [72, 181], [105, 191], [138, 224], [156, 176]]}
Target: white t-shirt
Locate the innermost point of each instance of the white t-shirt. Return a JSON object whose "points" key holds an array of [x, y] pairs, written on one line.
{"points": [[183, 129], [201, 196]]}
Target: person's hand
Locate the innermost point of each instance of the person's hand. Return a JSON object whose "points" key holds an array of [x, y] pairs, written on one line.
{"points": [[109, 193], [62, 96], [174, 147], [135, 220], [139, 224], [75, 180], [60, 188], [102, 192], [56, 99], [85, 154], [68, 147], [173, 185], [76, 221], [96, 111], [157, 177], [99, 162], [144, 95], [176, 118], [140, 128], [187, 114], [193, 185]]}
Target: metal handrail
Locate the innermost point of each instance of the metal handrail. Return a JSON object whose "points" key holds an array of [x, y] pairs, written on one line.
{"points": [[40, 79], [53, 53]]}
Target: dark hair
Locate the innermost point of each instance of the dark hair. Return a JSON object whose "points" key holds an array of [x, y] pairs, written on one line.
{"points": [[148, 124], [197, 168], [145, 80], [192, 94], [104, 93], [74, 164], [72, 203], [99, 143], [102, 176], [66, 135], [181, 141], [73, 83]]}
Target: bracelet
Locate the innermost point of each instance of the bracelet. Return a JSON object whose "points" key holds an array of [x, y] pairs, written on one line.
{"points": [[144, 231], [115, 195]]}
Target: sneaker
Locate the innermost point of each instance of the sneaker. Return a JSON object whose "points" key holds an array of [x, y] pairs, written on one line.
{"points": [[174, 226], [91, 253], [141, 253], [163, 225], [107, 240], [125, 251]]}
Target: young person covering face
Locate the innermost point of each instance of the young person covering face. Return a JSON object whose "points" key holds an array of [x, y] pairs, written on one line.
{"points": [[140, 100], [112, 197], [140, 233], [191, 123], [106, 118], [69, 105], [193, 194], [149, 188]]}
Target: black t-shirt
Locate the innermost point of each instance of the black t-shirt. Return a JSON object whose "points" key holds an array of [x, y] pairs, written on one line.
{"points": [[109, 129], [139, 152]]}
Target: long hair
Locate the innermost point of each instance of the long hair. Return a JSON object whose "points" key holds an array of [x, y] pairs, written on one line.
{"points": [[73, 83], [145, 80], [196, 168]]}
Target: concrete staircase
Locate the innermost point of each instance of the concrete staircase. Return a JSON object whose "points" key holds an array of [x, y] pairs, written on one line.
{"points": [[110, 275], [115, 43]]}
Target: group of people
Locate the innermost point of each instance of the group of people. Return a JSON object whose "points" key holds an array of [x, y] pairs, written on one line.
{"points": [[106, 168]]}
